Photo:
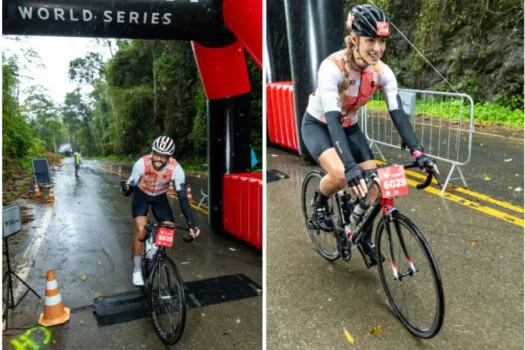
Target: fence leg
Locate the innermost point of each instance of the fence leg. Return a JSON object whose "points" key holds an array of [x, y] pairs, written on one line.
{"points": [[448, 179], [462, 177], [372, 144]]}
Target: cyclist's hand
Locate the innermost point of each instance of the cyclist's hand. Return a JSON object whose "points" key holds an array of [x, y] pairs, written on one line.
{"points": [[195, 231], [191, 234], [356, 181], [425, 162], [125, 188]]}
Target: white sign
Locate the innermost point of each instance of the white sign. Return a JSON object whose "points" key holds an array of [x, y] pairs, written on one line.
{"points": [[11, 220]]}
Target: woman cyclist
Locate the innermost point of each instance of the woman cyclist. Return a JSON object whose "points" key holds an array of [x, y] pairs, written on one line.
{"points": [[347, 79]]}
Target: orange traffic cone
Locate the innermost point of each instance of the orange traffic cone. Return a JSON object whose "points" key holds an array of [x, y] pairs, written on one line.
{"points": [[51, 196], [188, 193], [36, 192], [54, 310]]}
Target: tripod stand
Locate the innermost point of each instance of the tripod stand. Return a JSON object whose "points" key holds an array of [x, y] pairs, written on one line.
{"points": [[10, 298]]}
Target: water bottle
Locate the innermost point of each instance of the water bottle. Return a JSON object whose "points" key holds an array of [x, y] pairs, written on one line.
{"points": [[359, 211], [151, 248]]}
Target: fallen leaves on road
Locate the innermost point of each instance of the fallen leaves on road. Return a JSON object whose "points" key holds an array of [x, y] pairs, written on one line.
{"points": [[99, 295], [508, 160], [473, 244], [83, 277], [486, 178], [27, 218], [376, 330], [349, 336]]}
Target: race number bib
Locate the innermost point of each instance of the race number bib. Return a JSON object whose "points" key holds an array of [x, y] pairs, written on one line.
{"points": [[165, 237], [393, 181]]}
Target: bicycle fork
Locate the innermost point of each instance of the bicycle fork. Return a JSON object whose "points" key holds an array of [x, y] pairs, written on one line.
{"points": [[389, 212]]}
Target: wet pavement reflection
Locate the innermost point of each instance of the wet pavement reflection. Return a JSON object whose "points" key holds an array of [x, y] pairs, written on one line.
{"points": [[88, 231]]}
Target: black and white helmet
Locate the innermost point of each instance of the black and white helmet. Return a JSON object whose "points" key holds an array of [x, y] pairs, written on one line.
{"points": [[163, 145], [368, 20]]}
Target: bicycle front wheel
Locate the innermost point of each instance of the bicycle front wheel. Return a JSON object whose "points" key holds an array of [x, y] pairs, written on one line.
{"points": [[167, 300], [324, 242], [410, 276]]}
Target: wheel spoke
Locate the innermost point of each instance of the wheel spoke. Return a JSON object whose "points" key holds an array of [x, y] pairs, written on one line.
{"points": [[416, 296], [168, 301]]}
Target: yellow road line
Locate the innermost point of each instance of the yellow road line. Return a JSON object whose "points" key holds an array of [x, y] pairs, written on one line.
{"points": [[491, 200], [468, 192], [193, 206], [467, 203]]}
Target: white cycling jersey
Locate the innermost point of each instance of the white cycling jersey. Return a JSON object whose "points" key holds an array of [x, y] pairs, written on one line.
{"points": [[363, 84]]}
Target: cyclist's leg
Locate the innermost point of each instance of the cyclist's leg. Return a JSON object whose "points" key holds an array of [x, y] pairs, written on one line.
{"points": [[365, 158], [161, 208], [139, 207], [319, 144]]}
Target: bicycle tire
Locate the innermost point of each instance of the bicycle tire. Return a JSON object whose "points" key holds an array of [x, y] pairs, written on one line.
{"points": [[434, 269], [313, 233], [172, 335]]}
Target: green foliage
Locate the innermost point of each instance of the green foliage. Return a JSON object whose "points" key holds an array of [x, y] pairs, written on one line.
{"points": [[147, 89], [17, 136], [484, 113]]}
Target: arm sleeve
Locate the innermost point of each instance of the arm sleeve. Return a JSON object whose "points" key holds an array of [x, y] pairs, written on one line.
{"points": [[136, 172], [333, 119], [400, 119], [178, 177], [328, 80]]}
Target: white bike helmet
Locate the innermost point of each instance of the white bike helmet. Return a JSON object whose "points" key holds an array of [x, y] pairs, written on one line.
{"points": [[163, 145]]}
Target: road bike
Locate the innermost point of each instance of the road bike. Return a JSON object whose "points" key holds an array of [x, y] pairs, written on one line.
{"points": [[164, 287], [407, 268]]}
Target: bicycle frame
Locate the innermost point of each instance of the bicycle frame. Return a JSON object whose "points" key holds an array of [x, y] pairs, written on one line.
{"points": [[386, 207]]}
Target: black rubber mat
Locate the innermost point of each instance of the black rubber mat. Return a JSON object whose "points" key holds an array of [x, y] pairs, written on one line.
{"points": [[275, 175], [133, 305]]}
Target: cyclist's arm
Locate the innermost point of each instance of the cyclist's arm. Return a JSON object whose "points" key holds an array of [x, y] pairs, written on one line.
{"points": [[399, 117], [329, 78], [179, 179], [136, 172]]}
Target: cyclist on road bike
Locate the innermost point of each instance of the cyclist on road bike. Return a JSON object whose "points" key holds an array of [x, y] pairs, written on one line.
{"points": [[347, 79], [149, 182]]}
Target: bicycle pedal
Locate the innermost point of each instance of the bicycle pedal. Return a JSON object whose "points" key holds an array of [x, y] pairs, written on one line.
{"points": [[347, 256]]}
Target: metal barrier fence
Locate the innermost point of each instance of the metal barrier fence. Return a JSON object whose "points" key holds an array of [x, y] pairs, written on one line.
{"points": [[443, 122]]}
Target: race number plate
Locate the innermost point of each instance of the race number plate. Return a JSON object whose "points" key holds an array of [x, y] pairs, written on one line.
{"points": [[393, 181], [165, 237]]}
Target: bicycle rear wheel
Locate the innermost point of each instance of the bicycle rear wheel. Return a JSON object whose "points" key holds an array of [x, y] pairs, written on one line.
{"points": [[167, 300], [417, 298], [324, 242]]}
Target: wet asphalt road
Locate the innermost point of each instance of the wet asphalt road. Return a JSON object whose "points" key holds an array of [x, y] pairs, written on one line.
{"points": [[310, 301], [495, 167], [88, 230]]}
